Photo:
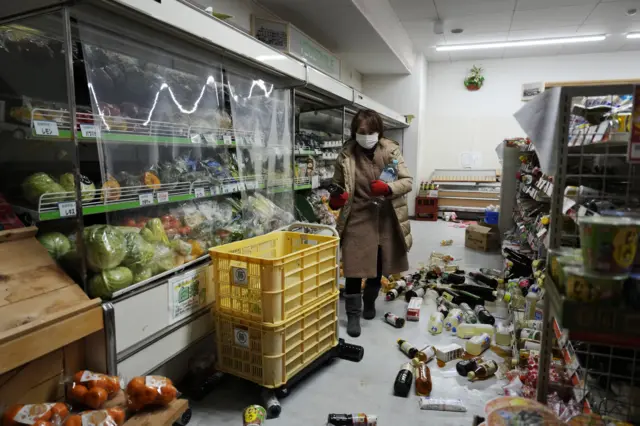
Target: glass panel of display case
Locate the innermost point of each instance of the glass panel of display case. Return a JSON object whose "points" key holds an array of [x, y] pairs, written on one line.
{"points": [[38, 158], [262, 119]]}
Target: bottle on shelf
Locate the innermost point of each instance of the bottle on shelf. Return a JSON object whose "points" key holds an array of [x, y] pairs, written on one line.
{"points": [[423, 378], [478, 344], [529, 333], [529, 344], [483, 370], [534, 324], [411, 351], [531, 301], [466, 331], [465, 366], [402, 384], [468, 315], [483, 315], [435, 323]]}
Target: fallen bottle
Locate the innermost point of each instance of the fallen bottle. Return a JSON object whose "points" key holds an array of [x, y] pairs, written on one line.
{"points": [[394, 320], [359, 419], [484, 370]]}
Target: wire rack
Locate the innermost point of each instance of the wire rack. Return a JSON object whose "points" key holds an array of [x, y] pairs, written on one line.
{"points": [[592, 177]]}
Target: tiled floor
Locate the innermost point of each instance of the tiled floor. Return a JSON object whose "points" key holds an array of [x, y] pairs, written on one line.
{"points": [[346, 387]]}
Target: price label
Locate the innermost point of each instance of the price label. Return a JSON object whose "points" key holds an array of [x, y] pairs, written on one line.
{"points": [[230, 187], [163, 197], [227, 140], [67, 209], [210, 138], [146, 199], [46, 128], [88, 130], [215, 190], [198, 192], [195, 138], [250, 185]]}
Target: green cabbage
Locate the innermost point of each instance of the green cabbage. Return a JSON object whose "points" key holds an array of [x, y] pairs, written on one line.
{"points": [[162, 259], [105, 283], [56, 244], [153, 232], [105, 245], [141, 272], [86, 186], [139, 251], [41, 183]]}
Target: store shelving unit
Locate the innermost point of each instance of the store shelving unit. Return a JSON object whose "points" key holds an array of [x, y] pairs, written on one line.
{"points": [[598, 339], [132, 87]]}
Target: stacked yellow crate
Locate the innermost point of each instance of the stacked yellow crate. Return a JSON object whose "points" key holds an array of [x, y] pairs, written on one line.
{"points": [[276, 304]]}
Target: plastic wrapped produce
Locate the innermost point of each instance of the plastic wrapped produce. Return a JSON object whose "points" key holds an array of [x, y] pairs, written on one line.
{"points": [[110, 417], [67, 181], [139, 251], [45, 414], [39, 184], [141, 272], [105, 246], [153, 232], [93, 389], [149, 391], [57, 244], [107, 282]]}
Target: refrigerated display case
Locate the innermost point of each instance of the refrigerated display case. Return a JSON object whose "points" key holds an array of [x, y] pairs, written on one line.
{"points": [[136, 144]]}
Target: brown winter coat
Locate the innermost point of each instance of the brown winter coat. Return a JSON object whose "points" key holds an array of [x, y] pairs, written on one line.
{"points": [[345, 176]]}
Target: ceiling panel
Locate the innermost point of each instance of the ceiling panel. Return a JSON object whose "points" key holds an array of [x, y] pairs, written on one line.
{"points": [[545, 4], [548, 33], [414, 10], [497, 22], [475, 38], [433, 56], [421, 32], [454, 8], [530, 51], [540, 19], [613, 12], [467, 55]]}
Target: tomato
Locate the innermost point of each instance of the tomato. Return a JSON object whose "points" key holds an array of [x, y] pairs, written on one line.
{"points": [[130, 222], [185, 230]]}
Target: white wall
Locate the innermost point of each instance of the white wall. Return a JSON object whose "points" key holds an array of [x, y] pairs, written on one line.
{"points": [[458, 120], [405, 94]]}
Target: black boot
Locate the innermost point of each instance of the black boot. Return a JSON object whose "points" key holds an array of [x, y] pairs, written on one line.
{"points": [[369, 296], [353, 306]]}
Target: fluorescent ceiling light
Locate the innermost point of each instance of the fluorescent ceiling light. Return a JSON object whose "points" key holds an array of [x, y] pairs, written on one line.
{"points": [[521, 43], [633, 35]]}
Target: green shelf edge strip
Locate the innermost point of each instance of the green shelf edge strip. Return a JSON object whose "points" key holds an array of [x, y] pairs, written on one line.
{"points": [[130, 137]]}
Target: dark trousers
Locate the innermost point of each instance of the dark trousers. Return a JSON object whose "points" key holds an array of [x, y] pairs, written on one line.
{"points": [[354, 285]]}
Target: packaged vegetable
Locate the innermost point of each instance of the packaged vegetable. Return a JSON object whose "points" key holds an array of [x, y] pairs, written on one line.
{"points": [[47, 414], [162, 259], [139, 251], [109, 417], [153, 232], [110, 190], [105, 283], [87, 187], [93, 389], [151, 180], [57, 244], [39, 184], [105, 246], [181, 247], [141, 272], [148, 391]]}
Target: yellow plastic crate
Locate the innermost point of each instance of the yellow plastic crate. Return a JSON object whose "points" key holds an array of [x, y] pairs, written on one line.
{"points": [[272, 277], [271, 355]]}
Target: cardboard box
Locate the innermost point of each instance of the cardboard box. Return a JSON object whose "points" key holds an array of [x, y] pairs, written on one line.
{"points": [[482, 237]]}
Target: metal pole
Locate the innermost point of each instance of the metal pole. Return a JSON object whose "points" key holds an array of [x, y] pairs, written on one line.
{"points": [[71, 99], [344, 122], [294, 130]]}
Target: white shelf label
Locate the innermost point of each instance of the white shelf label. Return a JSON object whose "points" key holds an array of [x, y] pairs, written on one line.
{"points": [[198, 192], [210, 138], [227, 139], [163, 197], [230, 187], [67, 209], [88, 130], [46, 128], [146, 199], [250, 185], [195, 138]]}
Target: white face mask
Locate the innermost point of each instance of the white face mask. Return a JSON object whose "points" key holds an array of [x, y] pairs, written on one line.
{"points": [[367, 141]]}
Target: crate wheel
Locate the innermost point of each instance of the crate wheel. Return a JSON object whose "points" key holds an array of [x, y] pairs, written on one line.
{"points": [[282, 392], [185, 419]]}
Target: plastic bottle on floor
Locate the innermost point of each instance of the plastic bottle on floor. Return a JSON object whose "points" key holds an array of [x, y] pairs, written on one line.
{"points": [[453, 319], [435, 323], [484, 370], [468, 315], [530, 302], [504, 335], [466, 331], [478, 344]]}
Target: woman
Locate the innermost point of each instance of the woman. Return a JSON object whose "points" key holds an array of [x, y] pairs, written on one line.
{"points": [[374, 219]]}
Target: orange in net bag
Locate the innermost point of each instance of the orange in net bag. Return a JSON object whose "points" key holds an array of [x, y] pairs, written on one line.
{"points": [[47, 414], [109, 417], [93, 389], [150, 390]]}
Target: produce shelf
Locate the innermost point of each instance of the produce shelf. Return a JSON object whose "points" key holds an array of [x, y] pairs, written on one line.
{"points": [[56, 124], [603, 322], [58, 205]]}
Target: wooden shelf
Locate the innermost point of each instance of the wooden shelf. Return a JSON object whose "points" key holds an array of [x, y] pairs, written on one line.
{"points": [[41, 308], [166, 416]]}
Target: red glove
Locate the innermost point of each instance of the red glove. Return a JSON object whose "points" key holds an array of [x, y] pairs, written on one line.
{"points": [[338, 201], [379, 188]]}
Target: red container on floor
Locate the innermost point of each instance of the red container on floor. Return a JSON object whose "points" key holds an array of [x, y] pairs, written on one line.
{"points": [[426, 208]]}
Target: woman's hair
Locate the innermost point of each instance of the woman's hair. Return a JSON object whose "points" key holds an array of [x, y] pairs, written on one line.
{"points": [[372, 119]]}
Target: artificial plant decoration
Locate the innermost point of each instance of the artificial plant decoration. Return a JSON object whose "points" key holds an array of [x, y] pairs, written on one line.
{"points": [[475, 79]]}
